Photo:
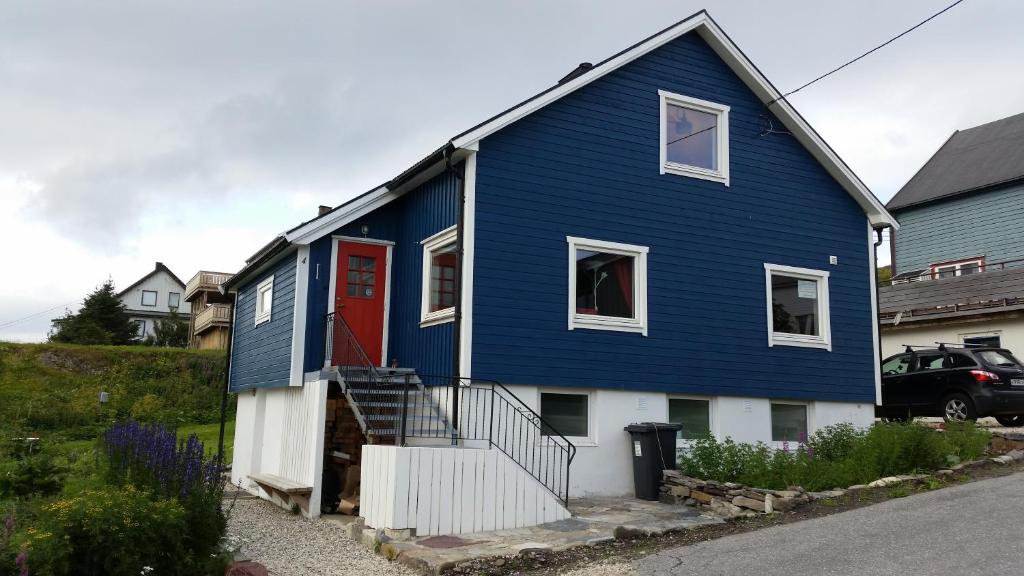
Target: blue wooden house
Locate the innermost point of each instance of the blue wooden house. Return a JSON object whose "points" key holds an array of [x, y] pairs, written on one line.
{"points": [[656, 237]]}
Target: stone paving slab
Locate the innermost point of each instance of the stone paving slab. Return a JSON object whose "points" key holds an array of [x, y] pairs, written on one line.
{"points": [[593, 520]]}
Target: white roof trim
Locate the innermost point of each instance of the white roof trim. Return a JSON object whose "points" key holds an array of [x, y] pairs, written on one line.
{"points": [[322, 226], [745, 69]]}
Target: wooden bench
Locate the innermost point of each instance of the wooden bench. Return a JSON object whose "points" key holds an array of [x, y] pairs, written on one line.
{"points": [[285, 490]]}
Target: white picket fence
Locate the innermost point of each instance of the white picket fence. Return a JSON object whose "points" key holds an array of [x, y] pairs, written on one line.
{"points": [[450, 490]]}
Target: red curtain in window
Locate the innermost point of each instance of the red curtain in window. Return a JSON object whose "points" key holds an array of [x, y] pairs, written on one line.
{"points": [[623, 270]]}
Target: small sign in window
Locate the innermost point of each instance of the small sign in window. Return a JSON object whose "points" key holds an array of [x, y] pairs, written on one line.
{"points": [[807, 289]]}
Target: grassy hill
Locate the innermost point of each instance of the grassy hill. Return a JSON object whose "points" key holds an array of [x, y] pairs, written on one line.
{"points": [[54, 389]]}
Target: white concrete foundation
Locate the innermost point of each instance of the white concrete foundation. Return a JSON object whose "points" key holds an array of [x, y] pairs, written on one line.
{"points": [[1009, 330]]}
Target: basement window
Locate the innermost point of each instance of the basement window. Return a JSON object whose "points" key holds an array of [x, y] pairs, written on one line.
{"points": [[264, 300], [693, 414], [607, 285], [694, 137], [789, 422], [565, 413], [797, 305], [440, 264]]}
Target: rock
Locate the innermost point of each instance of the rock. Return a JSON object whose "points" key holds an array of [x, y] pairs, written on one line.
{"points": [[726, 509], [1016, 454], [681, 491], [499, 562], [713, 490], [750, 503], [787, 493], [959, 467], [827, 494], [668, 499], [753, 494], [887, 481], [732, 485], [690, 502], [783, 504], [734, 493], [769, 503], [247, 568], [701, 497], [943, 472], [671, 475], [857, 487], [1004, 459]]}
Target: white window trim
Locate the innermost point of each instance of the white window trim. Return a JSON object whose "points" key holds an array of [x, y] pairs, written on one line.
{"points": [[792, 445], [683, 443], [956, 266], [431, 245], [175, 306], [720, 110], [142, 332], [264, 315], [156, 298], [595, 322], [823, 341], [587, 441]]}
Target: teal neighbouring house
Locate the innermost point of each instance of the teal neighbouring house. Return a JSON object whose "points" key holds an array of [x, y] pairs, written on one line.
{"points": [[655, 237], [958, 257]]}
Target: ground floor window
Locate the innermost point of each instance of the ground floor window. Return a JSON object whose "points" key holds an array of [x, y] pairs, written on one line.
{"points": [[142, 328], [988, 340], [693, 414], [440, 265], [798, 309], [567, 414], [789, 422]]}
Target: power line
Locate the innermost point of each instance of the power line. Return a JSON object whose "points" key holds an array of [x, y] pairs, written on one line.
{"points": [[31, 316], [875, 49]]}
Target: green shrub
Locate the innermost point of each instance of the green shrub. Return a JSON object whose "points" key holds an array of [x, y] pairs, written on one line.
{"points": [[114, 531], [36, 475], [967, 441], [836, 456]]}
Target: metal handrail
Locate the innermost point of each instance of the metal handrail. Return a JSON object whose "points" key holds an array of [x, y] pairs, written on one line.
{"points": [[407, 406]]}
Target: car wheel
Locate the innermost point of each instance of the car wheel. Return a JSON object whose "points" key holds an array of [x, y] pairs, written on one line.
{"points": [[1011, 421], [958, 408]]}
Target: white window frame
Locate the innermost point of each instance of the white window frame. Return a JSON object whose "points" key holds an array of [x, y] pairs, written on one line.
{"points": [[683, 443], [792, 444], [141, 333], [178, 304], [596, 322], [824, 339], [156, 298], [430, 245], [720, 110], [591, 438], [956, 266], [263, 315]]}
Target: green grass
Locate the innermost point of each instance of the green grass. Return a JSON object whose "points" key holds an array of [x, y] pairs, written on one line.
{"points": [[208, 434]]}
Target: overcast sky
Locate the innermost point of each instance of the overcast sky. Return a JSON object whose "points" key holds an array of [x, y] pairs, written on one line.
{"points": [[192, 132]]}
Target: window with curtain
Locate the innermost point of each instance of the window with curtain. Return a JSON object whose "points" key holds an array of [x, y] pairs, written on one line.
{"points": [[604, 284]]}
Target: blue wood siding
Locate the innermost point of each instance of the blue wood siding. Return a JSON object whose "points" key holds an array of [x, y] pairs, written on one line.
{"points": [[587, 165], [419, 214], [990, 224], [261, 355]]}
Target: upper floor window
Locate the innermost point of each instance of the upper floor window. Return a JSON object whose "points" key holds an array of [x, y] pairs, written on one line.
{"points": [[607, 285], [173, 299], [957, 268], [694, 137], [798, 309], [149, 297], [264, 300], [439, 283]]}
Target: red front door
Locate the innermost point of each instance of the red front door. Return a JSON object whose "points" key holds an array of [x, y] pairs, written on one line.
{"points": [[359, 293]]}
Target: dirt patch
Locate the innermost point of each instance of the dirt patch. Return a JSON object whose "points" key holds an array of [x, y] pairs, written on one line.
{"points": [[541, 563]]}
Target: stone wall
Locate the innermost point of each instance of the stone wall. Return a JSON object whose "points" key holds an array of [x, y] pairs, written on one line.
{"points": [[728, 499]]}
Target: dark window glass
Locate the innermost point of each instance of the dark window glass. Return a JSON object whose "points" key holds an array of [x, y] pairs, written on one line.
{"points": [[998, 358], [986, 341], [971, 268], [897, 365], [694, 415], [691, 137], [929, 361], [946, 271], [442, 278], [794, 305], [604, 284], [565, 413], [789, 423], [360, 277], [961, 361]]}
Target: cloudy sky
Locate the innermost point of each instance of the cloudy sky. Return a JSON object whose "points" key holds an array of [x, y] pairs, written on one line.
{"points": [[192, 132]]}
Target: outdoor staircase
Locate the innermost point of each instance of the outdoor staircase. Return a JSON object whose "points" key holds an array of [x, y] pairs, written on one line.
{"points": [[380, 396]]}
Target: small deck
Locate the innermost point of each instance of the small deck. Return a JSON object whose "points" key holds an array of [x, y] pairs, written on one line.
{"points": [[205, 281], [212, 316]]}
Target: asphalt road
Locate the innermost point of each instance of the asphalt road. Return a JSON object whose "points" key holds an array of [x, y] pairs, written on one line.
{"points": [[975, 528]]}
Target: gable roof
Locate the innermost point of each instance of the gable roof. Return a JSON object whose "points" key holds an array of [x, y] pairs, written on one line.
{"points": [[156, 270], [458, 146], [970, 160]]}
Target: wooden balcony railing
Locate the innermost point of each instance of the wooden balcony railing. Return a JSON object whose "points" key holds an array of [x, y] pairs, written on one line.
{"points": [[205, 281], [212, 315]]}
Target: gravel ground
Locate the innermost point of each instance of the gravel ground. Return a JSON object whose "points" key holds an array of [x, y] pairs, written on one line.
{"points": [[291, 545]]}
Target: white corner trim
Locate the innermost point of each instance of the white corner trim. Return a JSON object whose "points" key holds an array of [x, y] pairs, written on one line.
{"points": [[387, 304], [875, 342], [748, 73], [823, 341], [638, 323], [299, 317], [263, 315], [468, 252], [431, 244], [721, 111]]}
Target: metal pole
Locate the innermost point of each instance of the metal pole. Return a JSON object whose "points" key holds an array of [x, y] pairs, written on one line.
{"points": [[224, 393]]}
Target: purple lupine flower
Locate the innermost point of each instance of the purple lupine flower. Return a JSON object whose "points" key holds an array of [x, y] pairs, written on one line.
{"points": [[21, 561]]}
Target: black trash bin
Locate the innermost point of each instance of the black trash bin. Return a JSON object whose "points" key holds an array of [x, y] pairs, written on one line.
{"points": [[654, 449]]}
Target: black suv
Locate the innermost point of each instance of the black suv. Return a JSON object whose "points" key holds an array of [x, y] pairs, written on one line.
{"points": [[955, 383]]}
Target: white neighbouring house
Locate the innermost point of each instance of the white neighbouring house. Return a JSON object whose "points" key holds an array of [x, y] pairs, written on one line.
{"points": [[153, 297]]}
